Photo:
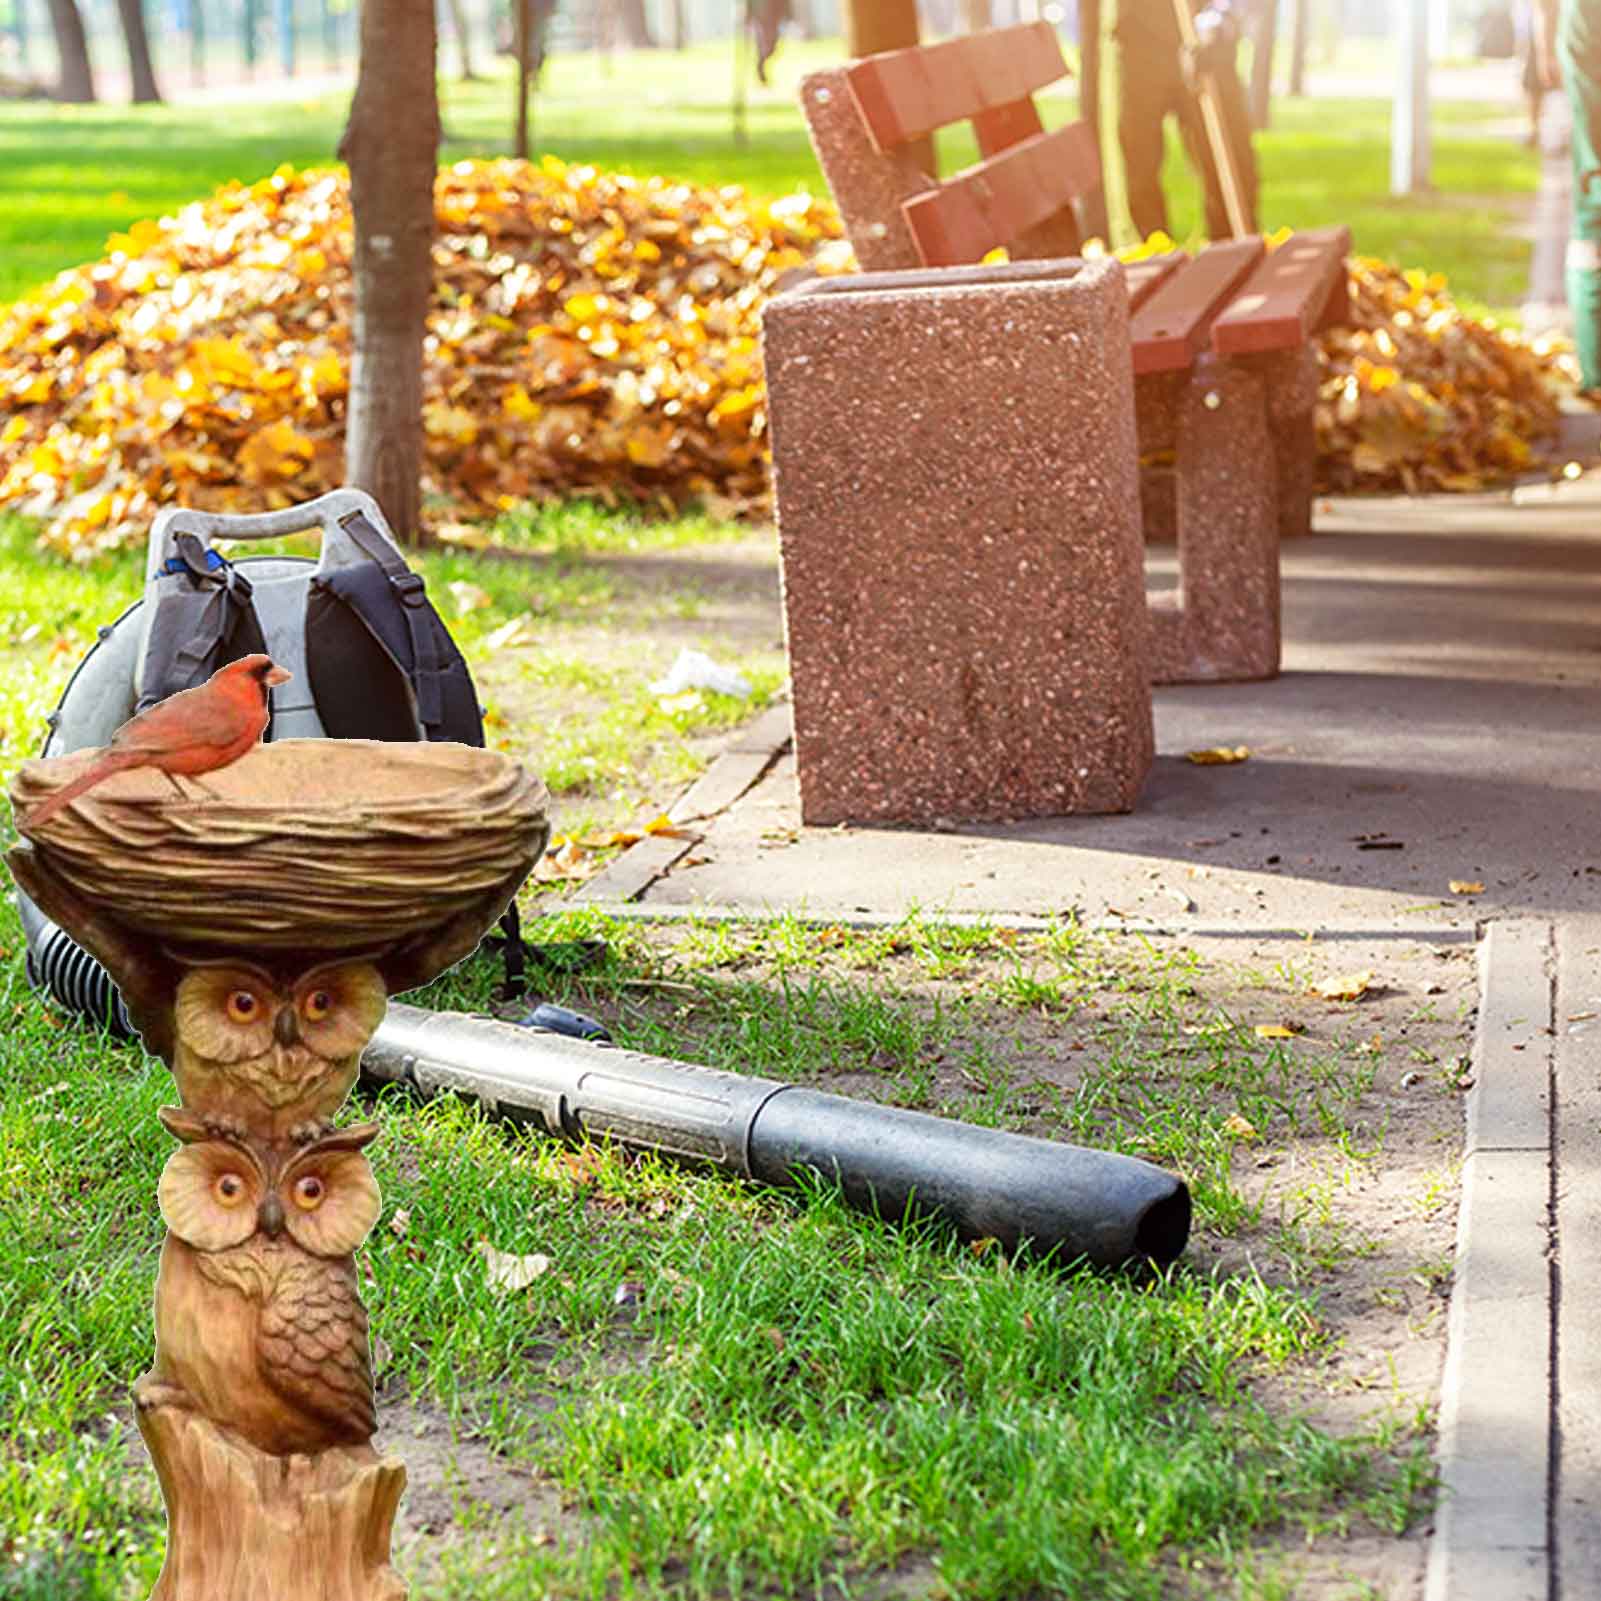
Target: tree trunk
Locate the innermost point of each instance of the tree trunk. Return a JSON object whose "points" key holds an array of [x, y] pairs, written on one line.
{"points": [[522, 45], [458, 23], [391, 144], [874, 25], [975, 15], [633, 25], [131, 13], [77, 76], [1264, 35], [1298, 37]]}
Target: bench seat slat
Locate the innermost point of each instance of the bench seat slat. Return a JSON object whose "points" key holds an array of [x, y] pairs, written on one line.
{"points": [[1289, 296], [1170, 329], [905, 94], [999, 199], [1148, 274]]}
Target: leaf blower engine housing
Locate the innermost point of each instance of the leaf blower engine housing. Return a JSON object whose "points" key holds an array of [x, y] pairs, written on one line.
{"points": [[370, 656]]}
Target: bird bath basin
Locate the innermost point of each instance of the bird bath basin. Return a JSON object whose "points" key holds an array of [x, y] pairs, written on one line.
{"points": [[348, 844]]}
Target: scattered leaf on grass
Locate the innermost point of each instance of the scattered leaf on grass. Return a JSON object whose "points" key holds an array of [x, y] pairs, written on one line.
{"points": [[1346, 987], [400, 1223], [1219, 755], [1236, 1127], [508, 1273], [1279, 1031], [1466, 886]]}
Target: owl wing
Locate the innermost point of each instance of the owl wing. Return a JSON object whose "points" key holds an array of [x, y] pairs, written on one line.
{"points": [[312, 1341]]}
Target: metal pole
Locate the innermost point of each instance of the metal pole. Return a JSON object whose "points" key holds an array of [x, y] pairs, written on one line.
{"points": [[1409, 126], [197, 41], [284, 19], [19, 27]]}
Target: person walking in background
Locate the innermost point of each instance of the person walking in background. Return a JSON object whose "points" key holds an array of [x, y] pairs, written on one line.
{"points": [[1569, 47], [1534, 90], [1156, 79], [766, 19]]}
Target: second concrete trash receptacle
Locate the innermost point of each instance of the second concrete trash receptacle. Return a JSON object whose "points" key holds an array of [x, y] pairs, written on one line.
{"points": [[957, 487]]}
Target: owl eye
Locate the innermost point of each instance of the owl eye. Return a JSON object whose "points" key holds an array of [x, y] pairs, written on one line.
{"points": [[243, 1007], [229, 1188], [309, 1191], [318, 1005]]}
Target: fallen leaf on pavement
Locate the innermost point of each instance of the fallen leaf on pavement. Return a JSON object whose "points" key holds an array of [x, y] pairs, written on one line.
{"points": [[1346, 987], [1466, 886], [1220, 755]]}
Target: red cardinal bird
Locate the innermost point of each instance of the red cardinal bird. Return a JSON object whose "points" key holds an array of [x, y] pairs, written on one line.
{"points": [[192, 732]]}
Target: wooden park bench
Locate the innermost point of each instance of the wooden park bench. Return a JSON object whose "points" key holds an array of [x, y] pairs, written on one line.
{"points": [[1225, 372]]}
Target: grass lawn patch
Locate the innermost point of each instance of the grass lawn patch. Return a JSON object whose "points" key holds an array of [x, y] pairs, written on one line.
{"points": [[73, 175], [704, 1389]]}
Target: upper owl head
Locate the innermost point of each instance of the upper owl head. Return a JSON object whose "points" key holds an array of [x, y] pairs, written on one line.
{"points": [[232, 1010], [216, 1193]]}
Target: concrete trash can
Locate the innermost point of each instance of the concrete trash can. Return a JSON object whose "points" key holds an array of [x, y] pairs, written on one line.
{"points": [[958, 501]]}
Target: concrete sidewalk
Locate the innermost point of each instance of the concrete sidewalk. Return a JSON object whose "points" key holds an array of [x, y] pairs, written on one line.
{"points": [[1439, 719]]}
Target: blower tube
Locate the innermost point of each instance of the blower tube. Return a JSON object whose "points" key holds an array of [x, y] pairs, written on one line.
{"points": [[1078, 1203], [59, 965], [1074, 1202]]}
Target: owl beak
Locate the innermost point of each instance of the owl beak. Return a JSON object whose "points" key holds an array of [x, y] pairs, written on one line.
{"points": [[271, 1216], [286, 1027]]}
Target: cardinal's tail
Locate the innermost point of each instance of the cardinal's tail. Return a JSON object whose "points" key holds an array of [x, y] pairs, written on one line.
{"points": [[108, 764]]}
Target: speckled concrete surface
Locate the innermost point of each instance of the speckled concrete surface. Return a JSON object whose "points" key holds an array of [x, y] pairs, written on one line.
{"points": [[954, 469], [868, 187], [1222, 623], [1439, 719]]}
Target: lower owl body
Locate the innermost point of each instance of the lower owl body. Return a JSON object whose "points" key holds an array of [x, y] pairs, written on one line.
{"points": [[266, 1341]]}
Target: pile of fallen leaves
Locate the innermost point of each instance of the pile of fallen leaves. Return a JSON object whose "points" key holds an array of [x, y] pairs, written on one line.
{"points": [[590, 332], [1416, 396]]}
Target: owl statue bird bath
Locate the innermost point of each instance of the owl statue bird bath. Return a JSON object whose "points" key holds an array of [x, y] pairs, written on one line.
{"points": [[256, 934]]}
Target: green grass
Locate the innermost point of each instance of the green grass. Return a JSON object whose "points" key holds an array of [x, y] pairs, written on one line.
{"points": [[70, 176], [737, 1392]]}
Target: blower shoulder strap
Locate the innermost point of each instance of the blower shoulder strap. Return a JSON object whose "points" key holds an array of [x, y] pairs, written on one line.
{"points": [[202, 617], [391, 600]]}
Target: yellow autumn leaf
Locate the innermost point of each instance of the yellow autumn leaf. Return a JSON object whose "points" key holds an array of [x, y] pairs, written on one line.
{"points": [[1219, 755], [518, 403], [1236, 1127], [1278, 1031], [276, 451], [1466, 886], [1346, 987]]}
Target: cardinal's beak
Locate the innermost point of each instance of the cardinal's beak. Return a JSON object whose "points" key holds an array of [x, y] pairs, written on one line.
{"points": [[278, 675]]}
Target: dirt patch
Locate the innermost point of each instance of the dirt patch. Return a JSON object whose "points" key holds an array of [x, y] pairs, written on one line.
{"points": [[459, 1490]]}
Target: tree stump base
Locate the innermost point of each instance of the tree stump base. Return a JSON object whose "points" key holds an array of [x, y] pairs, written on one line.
{"points": [[243, 1525]]}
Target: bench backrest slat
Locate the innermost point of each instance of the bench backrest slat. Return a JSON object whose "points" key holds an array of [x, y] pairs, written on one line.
{"points": [[1295, 291], [904, 94], [1171, 328], [974, 211]]}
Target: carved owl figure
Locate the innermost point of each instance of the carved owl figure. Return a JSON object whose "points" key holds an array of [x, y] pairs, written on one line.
{"points": [[258, 1322], [280, 1054]]}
